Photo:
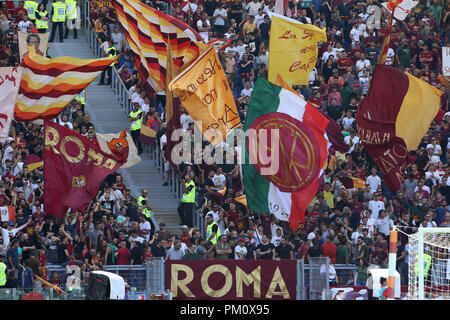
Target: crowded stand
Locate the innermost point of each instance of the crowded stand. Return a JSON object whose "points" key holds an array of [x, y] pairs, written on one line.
{"points": [[351, 226]]}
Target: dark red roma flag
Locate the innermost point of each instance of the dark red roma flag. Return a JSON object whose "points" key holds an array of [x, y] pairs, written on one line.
{"points": [[74, 168]]}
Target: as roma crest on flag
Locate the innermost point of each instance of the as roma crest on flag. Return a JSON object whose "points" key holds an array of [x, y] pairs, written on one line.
{"points": [[119, 146]]}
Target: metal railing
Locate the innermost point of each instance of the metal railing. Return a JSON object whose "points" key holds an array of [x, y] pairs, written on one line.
{"points": [[147, 280]]}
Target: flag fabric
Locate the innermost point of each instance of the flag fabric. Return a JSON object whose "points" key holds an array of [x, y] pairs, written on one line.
{"points": [[280, 6], [403, 8], [207, 97], [9, 88], [148, 32], [74, 168], [172, 108], [33, 162], [241, 199], [286, 183], [48, 85], [121, 145], [393, 118], [386, 41], [7, 213], [220, 44], [293, 49], [148, 135], [352, 182]]}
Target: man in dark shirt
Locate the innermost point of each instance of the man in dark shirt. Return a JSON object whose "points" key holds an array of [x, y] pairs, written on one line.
{"points": [[159, 248], [284, 250], [265, 250]]}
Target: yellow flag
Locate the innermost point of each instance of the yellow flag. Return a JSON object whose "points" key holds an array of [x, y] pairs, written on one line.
{"points": [[293, 49], [205, 94]]}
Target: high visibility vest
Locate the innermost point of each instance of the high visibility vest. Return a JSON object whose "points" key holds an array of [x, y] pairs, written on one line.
{"points": [[189, 197], [427, 264], [209, 232], [71, 9], [42, 24], [147, 212], [136, 124], [112, 52], [59, 12], [81, 97], [31, 8], [140, 199], [2, 274]]}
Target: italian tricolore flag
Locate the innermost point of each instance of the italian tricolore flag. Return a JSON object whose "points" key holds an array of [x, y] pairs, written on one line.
{"points": [[302, 152], [7, 213]]}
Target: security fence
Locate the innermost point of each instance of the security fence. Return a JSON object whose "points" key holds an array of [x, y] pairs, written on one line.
{"points": [[149, 280]]}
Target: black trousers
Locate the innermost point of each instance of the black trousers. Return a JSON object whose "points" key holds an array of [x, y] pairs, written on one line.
{"points": [[185, 211], [135, 135], [102, 77], [60, 26], [67, 31]]}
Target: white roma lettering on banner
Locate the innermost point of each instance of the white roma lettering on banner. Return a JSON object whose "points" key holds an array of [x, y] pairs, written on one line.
{"points": [[446, 61], [9, 87]]}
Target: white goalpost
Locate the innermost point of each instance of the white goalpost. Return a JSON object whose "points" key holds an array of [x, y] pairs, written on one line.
{"points": [[429, 264]]}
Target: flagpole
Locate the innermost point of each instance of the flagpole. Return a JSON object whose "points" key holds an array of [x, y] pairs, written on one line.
{"points": [[386, 40]]}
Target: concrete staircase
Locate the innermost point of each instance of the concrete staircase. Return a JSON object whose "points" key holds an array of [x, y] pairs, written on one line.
{"points": [[109, 116]]}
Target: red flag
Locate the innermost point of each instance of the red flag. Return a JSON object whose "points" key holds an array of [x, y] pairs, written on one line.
{"points": [[74, 167]]}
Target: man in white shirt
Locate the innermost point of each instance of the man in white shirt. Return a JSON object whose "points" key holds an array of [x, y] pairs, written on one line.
{"points": [[145, 226], [64, 121], [362, 64], [374, 181], [204, 26], [185, 120], [351, 140], [9, 233], [376, 205], [219, 179], [259, 18], [384, 224], [276, 238], [247, 91], [253, 7], [240, 251], [24, 24], [220, 15]]}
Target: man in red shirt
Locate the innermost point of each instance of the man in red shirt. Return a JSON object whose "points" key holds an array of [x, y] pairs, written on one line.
{"points": [[122, 254], [343, 63], [329, 249], [426, 57], [19, 11]]}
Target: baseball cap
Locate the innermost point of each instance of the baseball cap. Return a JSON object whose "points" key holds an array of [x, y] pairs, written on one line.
{"points": [[185, 227], [10, 223], [242, 239]]}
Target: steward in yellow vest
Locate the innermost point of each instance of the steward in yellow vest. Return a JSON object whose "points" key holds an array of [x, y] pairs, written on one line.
{"points": [[58, 19], [212, 230], [186, 206], [135, 117], [31, 8], [41, 19], [71, 17]]}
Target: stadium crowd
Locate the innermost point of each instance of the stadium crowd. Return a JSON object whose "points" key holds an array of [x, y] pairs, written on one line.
{"points": [[350, 226]]}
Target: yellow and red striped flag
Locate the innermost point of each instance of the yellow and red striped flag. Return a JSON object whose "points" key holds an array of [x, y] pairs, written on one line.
{"points": [[48, 85], [148, 31]]}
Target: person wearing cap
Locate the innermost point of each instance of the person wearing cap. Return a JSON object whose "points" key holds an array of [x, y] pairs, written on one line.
{"points": [[185, 235], [240, 251], [212, 230]]}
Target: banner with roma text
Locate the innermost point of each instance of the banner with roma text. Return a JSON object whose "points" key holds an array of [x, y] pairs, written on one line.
{"points": [[293, 49], [231, 279], [74, 168], [205, 94], [9, 88], [100, 3]]}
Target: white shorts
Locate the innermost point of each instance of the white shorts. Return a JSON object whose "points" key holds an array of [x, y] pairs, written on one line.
{"points": [[166, 166]]}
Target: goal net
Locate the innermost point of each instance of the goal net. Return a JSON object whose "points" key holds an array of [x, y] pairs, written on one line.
{"points": [[429, 264]]}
